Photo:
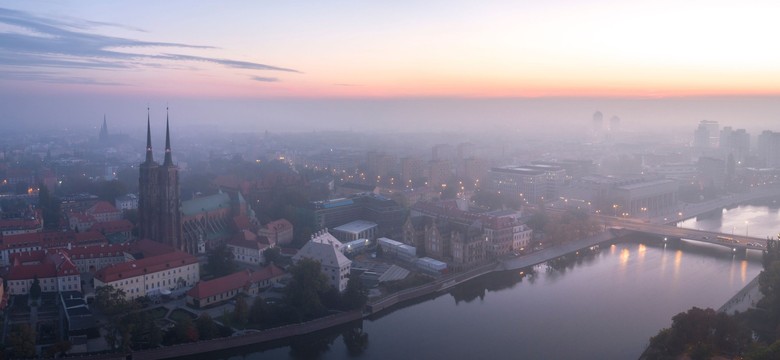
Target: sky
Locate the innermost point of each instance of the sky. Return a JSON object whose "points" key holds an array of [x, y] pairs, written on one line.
{"points": [[304, 64]]}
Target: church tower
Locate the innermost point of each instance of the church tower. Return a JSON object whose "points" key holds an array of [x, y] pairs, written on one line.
{"points": [[159, 212], [103, 136]]}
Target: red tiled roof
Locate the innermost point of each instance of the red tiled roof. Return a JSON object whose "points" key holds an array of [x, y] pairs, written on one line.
{"points": [[102, 207], [247, 235], [20, 224], [150, 248], [147, 265], [80, 217], [234, 281], [89, 237], [110, 227], [27, 256], [51, 239], [204, 289], [50, 264], [95, 251], [267, 273]]}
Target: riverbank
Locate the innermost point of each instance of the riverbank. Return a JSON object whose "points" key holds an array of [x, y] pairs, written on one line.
{"points": [[743, 299]]}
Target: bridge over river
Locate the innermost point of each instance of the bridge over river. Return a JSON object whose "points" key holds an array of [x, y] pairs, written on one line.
{"points": [[664, 226]]}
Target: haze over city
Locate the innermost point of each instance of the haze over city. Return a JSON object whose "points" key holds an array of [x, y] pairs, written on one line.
{"points": [[389, 66], [593, 179]]}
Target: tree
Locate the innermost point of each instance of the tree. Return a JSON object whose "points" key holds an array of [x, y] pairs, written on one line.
{"points": [[50, 208], [111, 301], [355, 296], [22, 340], [272, 255], [58, 349], [221, 261], [700, 333], [258, 311], [35, 289], [302, 293], [110, 190], [355, 340], [207, 328], [185, 331], [241, 311]]}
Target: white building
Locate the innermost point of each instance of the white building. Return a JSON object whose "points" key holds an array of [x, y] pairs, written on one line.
{"points": [[247, 251], [151, 275], [54, 271], [358, 229], [521, 237], [126, 202], [324, 237], [333, 263]]}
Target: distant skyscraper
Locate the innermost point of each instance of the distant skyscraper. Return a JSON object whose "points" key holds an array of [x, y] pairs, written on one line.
{"points": [[159, 213], [441, 152], [769, 148], [706, 135], [734, 142], [597, 125], [614, 124]]}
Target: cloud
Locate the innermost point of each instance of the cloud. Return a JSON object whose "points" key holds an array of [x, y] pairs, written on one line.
{"points": [[66, 44], [265, 79], [226, 62], [52, 77]]}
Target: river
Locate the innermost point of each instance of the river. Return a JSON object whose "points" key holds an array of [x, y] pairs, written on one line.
{"points": [[601, 305]]}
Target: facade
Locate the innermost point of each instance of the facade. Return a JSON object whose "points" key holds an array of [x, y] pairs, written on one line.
{"points": [[159, 217], [212, 292], [333, 263], [152, 275], [53, 269], [529, 183], [248, 251], [463, 238], [93, 258], [385, 212], [126, 202], [646, 198]]}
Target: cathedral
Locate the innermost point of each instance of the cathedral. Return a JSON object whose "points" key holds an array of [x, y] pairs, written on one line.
{"points": [[159, 214]]}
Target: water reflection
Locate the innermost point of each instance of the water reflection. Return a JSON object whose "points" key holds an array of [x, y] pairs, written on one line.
{"points": [[758, 220], [677, 262]]}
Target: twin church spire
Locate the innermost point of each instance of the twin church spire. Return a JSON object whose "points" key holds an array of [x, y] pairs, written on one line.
{"points": [[149, 156]]}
